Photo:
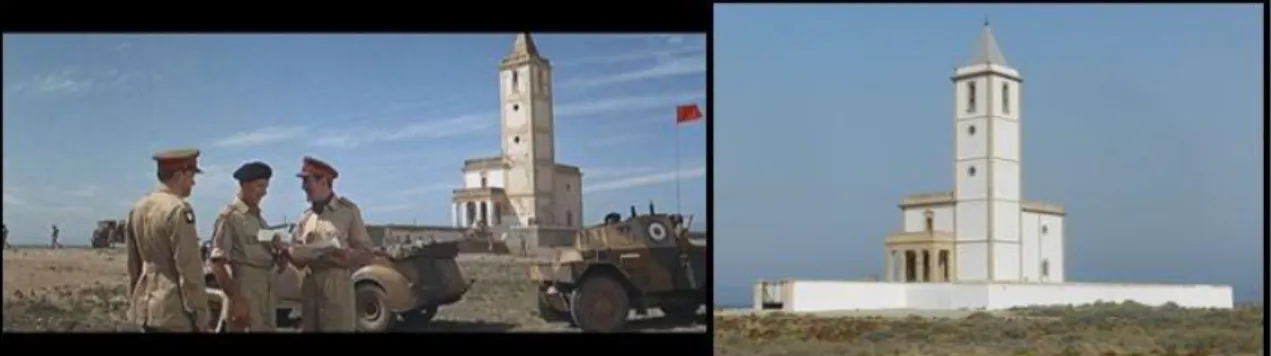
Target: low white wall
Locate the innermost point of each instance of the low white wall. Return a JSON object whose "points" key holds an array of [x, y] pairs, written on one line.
{"points": [[814, 296], [811, 296]]}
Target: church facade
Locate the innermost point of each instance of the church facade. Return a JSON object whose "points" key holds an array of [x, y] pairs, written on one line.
{"points": [[979, 246], [524, 186], [982, 230]]}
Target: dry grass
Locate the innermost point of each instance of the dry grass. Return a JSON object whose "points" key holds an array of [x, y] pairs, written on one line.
{"points": [[84, 290], [1101, 329]]}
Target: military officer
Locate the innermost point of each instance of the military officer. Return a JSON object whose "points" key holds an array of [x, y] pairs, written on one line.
{"points": [[328, 302], [165, 271], [244, 266]]}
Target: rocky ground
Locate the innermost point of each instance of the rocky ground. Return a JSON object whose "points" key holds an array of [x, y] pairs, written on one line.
{"points": [[1099, 329], [84, 290]]}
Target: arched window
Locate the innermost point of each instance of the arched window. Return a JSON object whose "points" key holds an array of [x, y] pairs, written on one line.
{"points": [[569, 218], [1045, 268], [1006, 98], [970, 97], [516, 81]]}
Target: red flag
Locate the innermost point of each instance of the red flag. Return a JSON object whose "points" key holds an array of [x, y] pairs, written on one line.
{"points": [[687, 113]]}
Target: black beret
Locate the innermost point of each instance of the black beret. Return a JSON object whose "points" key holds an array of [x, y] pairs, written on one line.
{"points": [[252, 171]]}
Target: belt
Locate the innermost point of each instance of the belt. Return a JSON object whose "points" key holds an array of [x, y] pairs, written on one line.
{"points": [[265, 266]]}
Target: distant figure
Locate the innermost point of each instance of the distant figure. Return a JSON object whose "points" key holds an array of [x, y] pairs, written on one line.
{"points": [[6, 235], [55, 245]]}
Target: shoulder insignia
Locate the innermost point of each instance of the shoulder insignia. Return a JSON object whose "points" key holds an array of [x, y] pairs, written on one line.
{"points": [[187, 211]]}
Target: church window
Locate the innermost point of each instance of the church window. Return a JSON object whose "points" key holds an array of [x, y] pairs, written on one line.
{"points": [[498, 213], [516, 107], [483, 182], [970, 171], [516, 139], [1006, 98], [516, 81], [567, 187], [970, 130], [1044, 230], [569, 218], [1045, 268], [930, 221], [970, 98]]}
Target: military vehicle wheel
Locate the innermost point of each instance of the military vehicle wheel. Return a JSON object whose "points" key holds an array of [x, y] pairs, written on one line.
{"points": [[548, 313], [600, 304], [373, 315], [681, 308], [421, 316]]}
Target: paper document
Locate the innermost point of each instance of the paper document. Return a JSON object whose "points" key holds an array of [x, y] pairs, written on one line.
{"points": [[319, 248], [265, 235]]}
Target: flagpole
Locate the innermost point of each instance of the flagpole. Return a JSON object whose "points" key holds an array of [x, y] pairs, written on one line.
{"points": [[677, 167]]}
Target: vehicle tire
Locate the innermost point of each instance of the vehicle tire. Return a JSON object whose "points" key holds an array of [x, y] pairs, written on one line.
{"points": [[600, 304], [683, 308], [548, 313], [372, 314], [420, 317]]}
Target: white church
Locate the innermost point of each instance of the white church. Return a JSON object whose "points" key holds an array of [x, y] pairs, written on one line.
{"points": [[981, 245], [523, 187]]}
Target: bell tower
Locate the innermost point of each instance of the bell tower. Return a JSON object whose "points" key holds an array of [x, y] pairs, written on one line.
{"points": [[987, 165], [527, 144]]}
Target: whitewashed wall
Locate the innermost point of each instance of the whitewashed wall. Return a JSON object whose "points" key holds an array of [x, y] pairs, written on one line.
{"points": [[819, 296], [915, 219]]}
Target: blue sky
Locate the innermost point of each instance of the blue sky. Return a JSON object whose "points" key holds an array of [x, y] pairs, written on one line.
{"points": [[1145, 122], [396, 114]]}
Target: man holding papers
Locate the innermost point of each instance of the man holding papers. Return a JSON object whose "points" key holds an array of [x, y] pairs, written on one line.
{"points": [[329, 243]]}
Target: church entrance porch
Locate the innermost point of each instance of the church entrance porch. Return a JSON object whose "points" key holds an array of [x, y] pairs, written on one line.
{"points": [[919, 257]]}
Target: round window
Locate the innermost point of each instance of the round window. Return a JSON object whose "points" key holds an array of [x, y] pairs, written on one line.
{"points": [[516, 107], [1045, 229], [970, 171], [516, 139], [970, 130]]}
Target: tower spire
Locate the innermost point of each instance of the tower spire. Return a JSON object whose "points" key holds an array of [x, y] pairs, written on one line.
{"points": [[524, 46], [986, 50]]}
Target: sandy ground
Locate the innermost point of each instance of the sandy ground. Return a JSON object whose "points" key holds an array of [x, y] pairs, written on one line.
{"points": [[79, 289]]}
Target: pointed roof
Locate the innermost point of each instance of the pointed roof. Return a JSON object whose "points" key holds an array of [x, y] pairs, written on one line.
{"points": [[524, 46], [986, 50]]}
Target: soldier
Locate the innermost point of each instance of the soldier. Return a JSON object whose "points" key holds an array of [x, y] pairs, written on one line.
{"points": [[6, 236], [54, 245], [165, 271], [244, 266], [328, 302]]}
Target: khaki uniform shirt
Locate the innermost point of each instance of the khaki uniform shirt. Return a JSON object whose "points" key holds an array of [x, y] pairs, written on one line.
{"points": [[250, 261], [328, 302], [165, 269]]}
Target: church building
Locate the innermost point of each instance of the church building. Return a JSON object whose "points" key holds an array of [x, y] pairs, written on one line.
{"points": [[523, 186], [983, 230]]}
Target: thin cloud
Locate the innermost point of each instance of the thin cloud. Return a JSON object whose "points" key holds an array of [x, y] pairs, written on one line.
{"points": [[594, 107], [667, 66], [65, 81], [645, 180], [631, 56], [87, 191], [616, 140], [603, 172], [433, 188], [261, 136], [12, 199], [432, 129]]}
